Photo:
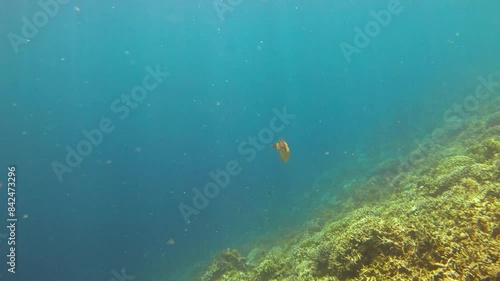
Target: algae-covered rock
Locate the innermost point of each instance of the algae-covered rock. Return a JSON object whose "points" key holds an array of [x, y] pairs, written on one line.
{"points": [[389, 167], [493, 131], [229, 262], [493, 119], [485, 150], [254, 256], [272, 267], [450, 171], [451, 163], [477, 172], [373, 189]]}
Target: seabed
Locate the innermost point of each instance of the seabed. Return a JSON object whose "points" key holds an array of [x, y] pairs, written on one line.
{"points": [[438, 219]]}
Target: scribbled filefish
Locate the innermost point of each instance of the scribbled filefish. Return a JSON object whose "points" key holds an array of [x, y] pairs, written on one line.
{"points": [[283, 149]]}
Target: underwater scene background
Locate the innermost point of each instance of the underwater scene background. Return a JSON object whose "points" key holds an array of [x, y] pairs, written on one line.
{"points": [[139, 136]]}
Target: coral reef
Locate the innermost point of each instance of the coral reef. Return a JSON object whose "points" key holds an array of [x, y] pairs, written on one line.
{"points": [[228, 264], [255, 256], [437, 220], [493, 120]]}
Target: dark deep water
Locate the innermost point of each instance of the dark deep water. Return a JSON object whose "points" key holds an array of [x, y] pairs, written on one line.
{"points": [[211, 79]]}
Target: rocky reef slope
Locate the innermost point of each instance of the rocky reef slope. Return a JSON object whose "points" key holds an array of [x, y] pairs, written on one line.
{"points": [[436, 217]]}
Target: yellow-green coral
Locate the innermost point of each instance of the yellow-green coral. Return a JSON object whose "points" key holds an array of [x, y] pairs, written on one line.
{"points": [[485, 150]]}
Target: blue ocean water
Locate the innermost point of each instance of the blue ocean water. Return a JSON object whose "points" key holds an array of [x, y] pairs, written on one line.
{"points": [[105, 183]]}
